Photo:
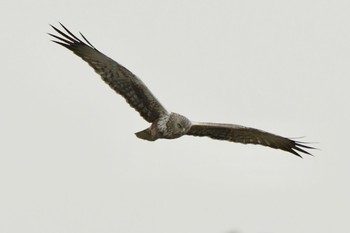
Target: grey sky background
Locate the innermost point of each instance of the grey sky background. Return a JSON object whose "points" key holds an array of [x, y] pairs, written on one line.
{"points": [[69, 159]]}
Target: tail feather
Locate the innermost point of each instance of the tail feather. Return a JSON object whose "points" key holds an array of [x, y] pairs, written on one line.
{"points": [[145, 135]]}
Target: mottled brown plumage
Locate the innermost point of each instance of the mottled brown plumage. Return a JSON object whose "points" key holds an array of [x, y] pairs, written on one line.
{"points": [[165, 125], [115, 75]]}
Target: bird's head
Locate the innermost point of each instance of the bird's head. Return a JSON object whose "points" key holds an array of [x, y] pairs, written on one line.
{"points": [[179, 124]]}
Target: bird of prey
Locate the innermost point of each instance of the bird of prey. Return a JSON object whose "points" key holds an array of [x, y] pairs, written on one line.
{"points": [[164, 124]]}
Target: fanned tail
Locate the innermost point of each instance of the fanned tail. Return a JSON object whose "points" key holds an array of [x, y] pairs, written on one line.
{"points": [[145, 135]]}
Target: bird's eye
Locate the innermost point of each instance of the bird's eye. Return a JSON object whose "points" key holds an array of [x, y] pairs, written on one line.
{"points": [[179, 125]]}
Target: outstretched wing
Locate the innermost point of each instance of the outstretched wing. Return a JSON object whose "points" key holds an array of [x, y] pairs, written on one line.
{"points": [[115, 75], [241, 134]]}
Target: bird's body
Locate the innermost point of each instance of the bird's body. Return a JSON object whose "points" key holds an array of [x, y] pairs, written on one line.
{"points": [[166, 124]]}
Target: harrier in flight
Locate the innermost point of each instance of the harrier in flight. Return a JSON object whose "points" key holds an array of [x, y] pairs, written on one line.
{"points": [[164, 124]]}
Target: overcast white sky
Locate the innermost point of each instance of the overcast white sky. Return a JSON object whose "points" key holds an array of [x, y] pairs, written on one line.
{"points": [[69, 159]]}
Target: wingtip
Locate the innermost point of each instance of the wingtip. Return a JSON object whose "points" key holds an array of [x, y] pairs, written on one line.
{"points": [[55, 28], [298, 148], [62, 25], [87, 41], [296, 154]]}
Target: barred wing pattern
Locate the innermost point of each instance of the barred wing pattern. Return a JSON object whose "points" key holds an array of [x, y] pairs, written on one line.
{"points": [[115, 75], [245, 135]]}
